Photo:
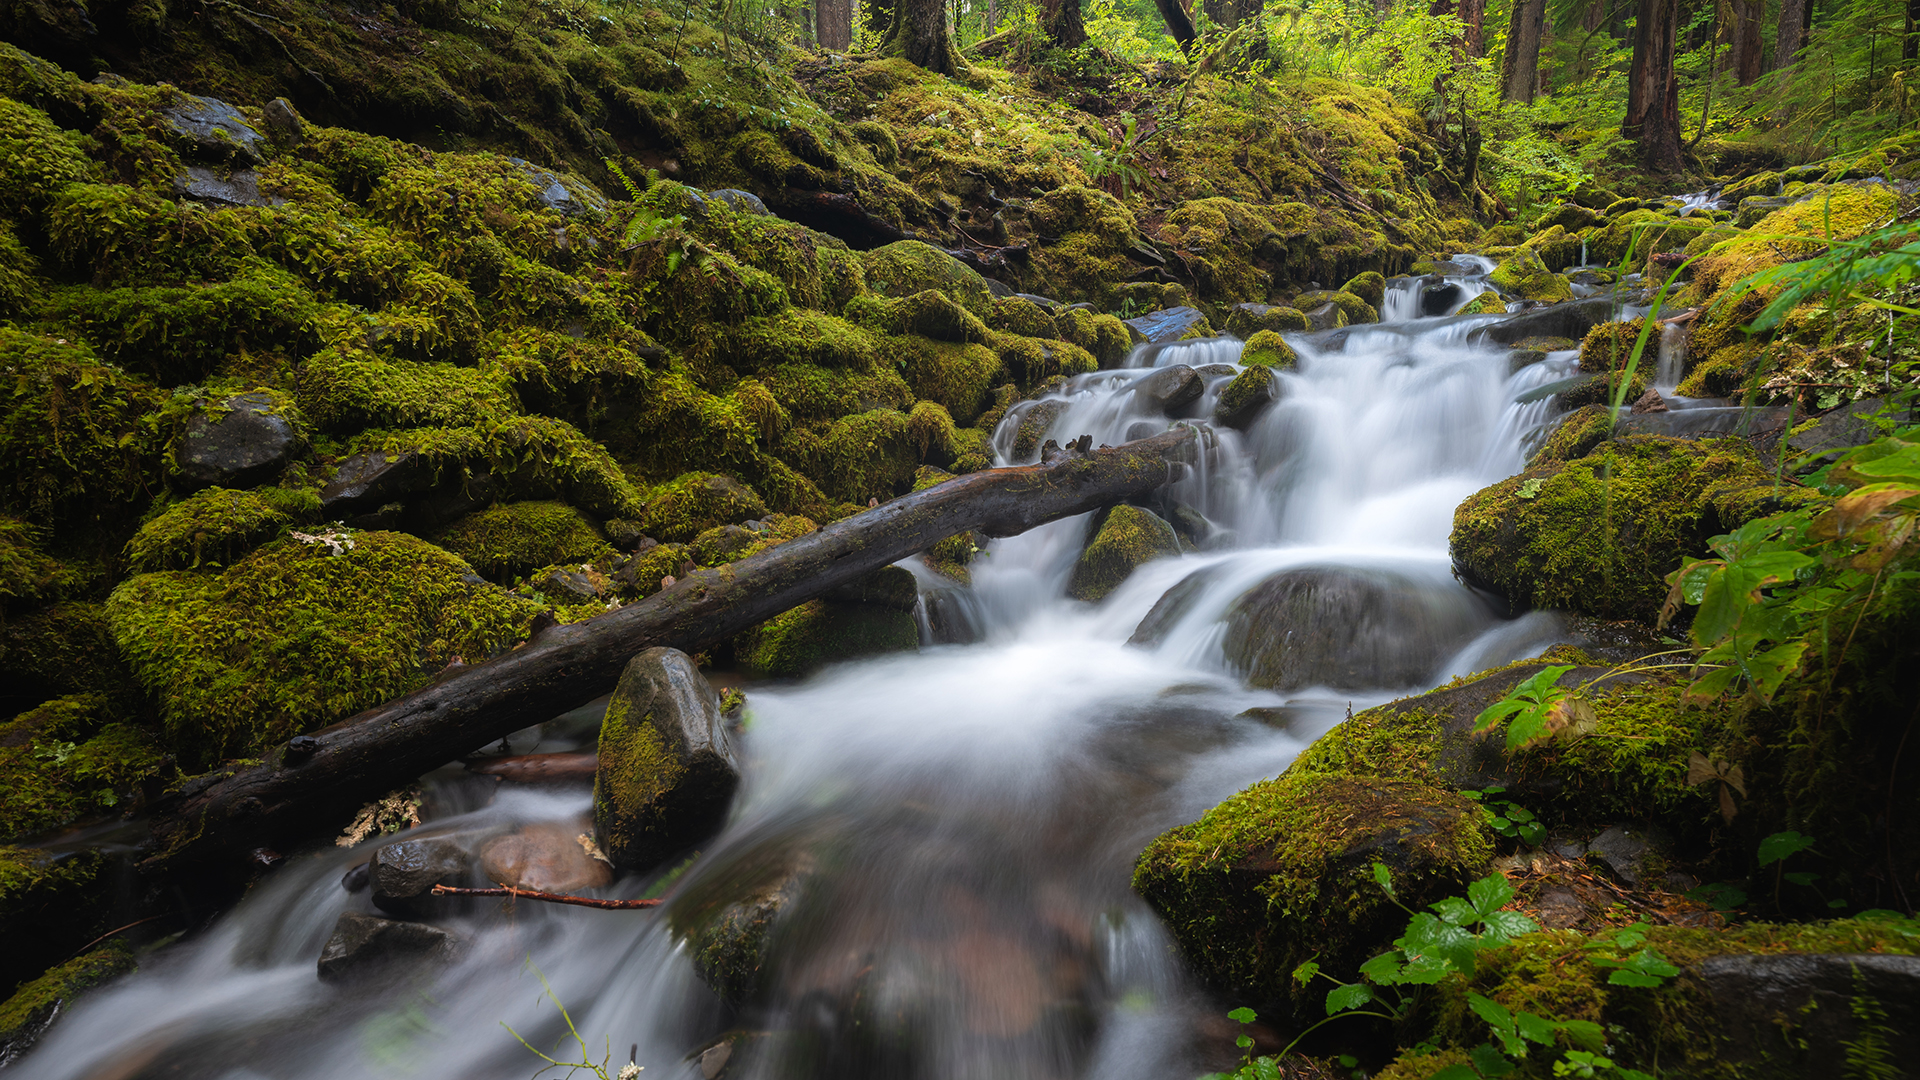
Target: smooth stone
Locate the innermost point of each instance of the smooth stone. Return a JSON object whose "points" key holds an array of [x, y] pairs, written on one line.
{"points": [[1567, 319], [544, 857], [213, 129], [1327, 316], [1043, 303], [218, 188], [1630, 853], [568, 584], [667, 770], [1440, 299], [404, 873], [250, 445], [1035, 420], [1814, 996], [284, 123], [1167, 324], [364, 945], [372, 479], [1169, 388]]}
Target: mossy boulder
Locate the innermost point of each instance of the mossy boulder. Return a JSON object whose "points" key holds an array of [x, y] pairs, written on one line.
{"points": [[692, 503], [1609, 345], [214, 526], [1795, 231], [1018, 315], [667, 772], [34, 1006], [75, 442], [50, 906], [825, 631], [1246, 320], [1105, 336], [1031, 362], [1368, 285], [1487, 303], [928, 313], [1268, 349], [906, 267], [1599, 534], [70, 758], [1603, 388], [798, 336], [1524, 274], [1119, 541], [858, 458], [303, 632], [1247, 397], [1281, 873], [1575, 435], [1355, 309], [507, 540], [1085, 236], [953, 375]]}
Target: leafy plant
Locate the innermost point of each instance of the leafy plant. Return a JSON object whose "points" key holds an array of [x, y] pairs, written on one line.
{"points": [[1538, 710], [629, 1071], [1506, 817]]}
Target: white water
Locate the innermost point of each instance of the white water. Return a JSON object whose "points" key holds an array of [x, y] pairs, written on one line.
{"points": [[966, 816]]}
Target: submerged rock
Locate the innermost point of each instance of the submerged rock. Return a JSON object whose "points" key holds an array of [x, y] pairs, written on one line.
{"points": [[368, 945], [667, 771], [1568, 320], [1122, 539], [545, 857], [1345, 627]]}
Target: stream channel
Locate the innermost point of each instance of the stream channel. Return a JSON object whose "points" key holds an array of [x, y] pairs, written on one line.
{"points": [[964, 819]]}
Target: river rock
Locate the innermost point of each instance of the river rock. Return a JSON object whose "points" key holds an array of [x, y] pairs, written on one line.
{"points": [[568, 584], [1843, 429], [212, 130], [1035, 420], [249, 445], [890, 586], [1571, 319], [1442, 298], [366, 945], [667, 771], [1327, 316], [1122, 538], [1168, 389], [544, 857], [1247, 397], [724, 919], [1345, 627], [219, 187], [404, 873], [373, 479], [1169, 324], [1801, 1014], [1245, 320]]}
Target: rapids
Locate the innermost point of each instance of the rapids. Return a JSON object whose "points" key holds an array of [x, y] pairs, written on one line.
{"points": [[966, 817]]}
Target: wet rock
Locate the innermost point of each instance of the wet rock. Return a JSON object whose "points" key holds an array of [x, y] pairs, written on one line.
{"points": [[284, 123], [249, 445], [1843, 429], [1169, 324], [1442, 298], [1571, 319], [1327, 316], [544, 857], [404, 873], [218, 187], [1630, 853], [1247, 397], [366, 481], [1045, 304], [1168, 389], [572, 585], [1520, 358], [724, 918], [713, 1059], [1526, 275], [1345, 627], [1649, 402], [1755, 207], [1122, 539], [569, 196], [357, 879], [722, 544], [1487, 303], [890, 587], [667, 771], [212, 130], [1245, 320], [1591, 277], [1144, 429], [997, 287], [741, 202], [367, 945], [1035, 421], [1570, 216], [1827, 1004]]}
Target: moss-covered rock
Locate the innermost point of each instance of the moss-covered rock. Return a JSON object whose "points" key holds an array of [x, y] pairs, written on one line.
{"points": [[74, 444], [1609, 345], [1105, 336], [50, 906], [1118, 542], [807, 392], [1247, 396], [301, 633], [928, 313], [1603, 388], [956, 376], [214, 526], [25, 1015], [1525, 275], [1368, 285], [1015, 315], [1246, 320], [1085, 235], [907, 267], [71, 758], [1598, 534], [823, 632], [1268, 349], [507, 540], [1487, 303], [1353, 307], [1575, 436], [692, 503], [667, 771], [857, 458], [798, 336]]}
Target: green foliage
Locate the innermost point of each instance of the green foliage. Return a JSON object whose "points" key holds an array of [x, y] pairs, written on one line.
{"points": [[1506, 817], [209, 528]]}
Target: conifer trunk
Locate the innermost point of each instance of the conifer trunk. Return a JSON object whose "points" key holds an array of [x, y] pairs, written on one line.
{"points": [[836, 24], [1179, 23], [1065, 29], [1520, 65], [919, 35], [1790, 33], [1744, 35], [1653, 89]]}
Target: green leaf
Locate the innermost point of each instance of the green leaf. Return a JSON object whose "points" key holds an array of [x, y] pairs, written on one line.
{"points": [[1453, 1072], [1586, 1033], [1490, 894], [1383, 877], [1383, 969], [1305, 972], [1456, 911], [1489, 1061], [1496, 712], [1497, 1016], [1782, 845], [1510, 924], [1801, 878], [1533, 1028], [1526, 728], [1623, 977], [1244, 1015], [1347, 996]]}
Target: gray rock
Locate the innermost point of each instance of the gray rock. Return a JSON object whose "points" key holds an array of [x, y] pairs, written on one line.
{"points": [[1802, 1014], [1568, 319], [1169, 388], [724, 918], [997, 287], [217, 187], [1167, 324], [890, 586], [250, 445], [1035, 419], [284, 123], [373, 479], [1143, 429], [1042, 302], [1632, 854], [404, 873], [1843, 429], [567, 584], [1704, 423], [741, 202], [367, 945], [213, 130], [667, 772], [1441, 299], [569, 196], [1327, 316]]}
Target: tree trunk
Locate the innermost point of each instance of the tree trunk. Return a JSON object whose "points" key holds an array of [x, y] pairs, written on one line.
{"points": [[1910, 41], [1520, 65], [993, 18], [836, 24], [802, 13], [1790, 32], [878, 17], [1179, 23], [1744, 35], [327, 775], [1653, 89], [1473, 13], [919, 34], [1061, 18]]}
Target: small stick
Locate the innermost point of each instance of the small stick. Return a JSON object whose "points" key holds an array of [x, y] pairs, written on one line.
{"points": [[551, 898]]}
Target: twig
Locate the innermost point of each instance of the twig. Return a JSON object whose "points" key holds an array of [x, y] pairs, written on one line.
{"points": [[547, 897], [151, 918]]}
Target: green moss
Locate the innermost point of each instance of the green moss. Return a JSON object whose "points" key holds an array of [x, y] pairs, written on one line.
{"points": [[972, 450], [1368, 285], [61, 648], [35, 1003], [37, 158], [1724, 373], [297, 635], [1244, 398], [1247, 320], [1281, 873], [1268, 349], [536, 453], [74, 439], [856, 458], [1609, 345], [1121, 539], [1487, 303], [28, 574], [209, 528], [1032, 361], [909, 266], [1599, 533], [1104, 336], [71, 758], [807, 392], [957, 377], [1085, 234], [347, 386], [1023, 317], [19, 272], [927, 314], [931, 428], [824, 631], [1353, 307], [1525, 275], [796, 336], [1576, 435], [1601, 389], [692, 503], [508, 540], [111, 234], [1795, 232]]}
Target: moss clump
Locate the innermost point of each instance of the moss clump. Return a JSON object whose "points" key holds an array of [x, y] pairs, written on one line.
{"points": [[348, 386], [795, 336], [213, 527], [301, 633], [73, 441], [931, 428], [972, 450], [1795, 232], [807, 392], [1352, 307], [1121, 539], [909, 266], [37, 158], [1609, 345], [1246, 320], [1603, 388], [824, 631], [1525, 275], [533, 454], [1246, 397], [1268, 349], [34, 1004], [70, 758], [61, 648], [1105, 336], [507, 540], [1032, 361], [928, 313], [692, 503], [1220, 240], [1725, 373], [858, 458], [1599, 533], [1576, 435], [1368, 285], [26, 573], [182, 333], [958, 377], [1085, 234], [1023, 317], [1487, 303], [1281, 873], [49, 906]]}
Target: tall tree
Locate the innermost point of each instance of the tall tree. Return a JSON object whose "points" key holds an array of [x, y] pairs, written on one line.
{"points": [[1743, 33], [1790, 32], [1061, 19], [1653, 88], [836, 24], [1910, 42], [1179, 23], [1520, 65], [919, 34], [1472, 13]]}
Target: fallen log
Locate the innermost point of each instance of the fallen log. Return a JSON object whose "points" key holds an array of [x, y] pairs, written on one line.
{"points": [[328, 774]]}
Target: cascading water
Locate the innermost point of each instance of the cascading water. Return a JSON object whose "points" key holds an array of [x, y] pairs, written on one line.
{"points": [[954, 828]]}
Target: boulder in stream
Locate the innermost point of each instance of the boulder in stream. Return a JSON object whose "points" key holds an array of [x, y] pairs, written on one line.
{"points": [[667, 771], [1170, 324], [1346, 627], [1246, 320], [544, 856], [1122, 539], [1246, 397], [405, 872], [368, 945], [1167, 390], [1526, 275]]}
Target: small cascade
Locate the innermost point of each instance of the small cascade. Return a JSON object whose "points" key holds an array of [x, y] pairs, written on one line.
{"points": [[1673, 357], [1699, 200]]}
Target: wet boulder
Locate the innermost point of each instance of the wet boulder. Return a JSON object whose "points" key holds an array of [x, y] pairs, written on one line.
{"points": [[1441, 298], [1354, 309], [367, 945], [1525, 274], [1121, 540], [403, 874], [1368, 285], [1247, 397], [544, 857], [691, 503], [1268, 349], [1819, 997], [1169, 324], [724, 918], [212, 130], [1346, 627], [1569, 320], [285, 125], [568, 196], [741, 202], [368, 481], [1035, 421], [1246, 320], [248, 440], [220, 188], [667, 771], [1168, 389], [1487, 303], [1327, 316], [825, 631]]}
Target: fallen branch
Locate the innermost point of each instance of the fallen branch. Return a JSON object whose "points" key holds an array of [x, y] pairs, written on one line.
{"points": [[325, 776], [546, 897]]}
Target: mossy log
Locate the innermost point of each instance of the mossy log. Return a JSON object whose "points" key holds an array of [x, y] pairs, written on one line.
{"points": [[326, 775]]}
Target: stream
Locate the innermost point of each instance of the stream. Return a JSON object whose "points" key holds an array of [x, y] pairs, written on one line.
{"points": [[965, 818]]}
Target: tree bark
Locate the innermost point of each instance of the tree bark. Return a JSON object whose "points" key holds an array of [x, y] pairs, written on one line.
{"points": [[1520, 65], [327, 775], [1653, 89], [919, 35], [1743, 33], [1179, 23], [836, 24], [1065, 29], [878, 17], [1473, 14], [1790, 33], [1910, 41]]}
